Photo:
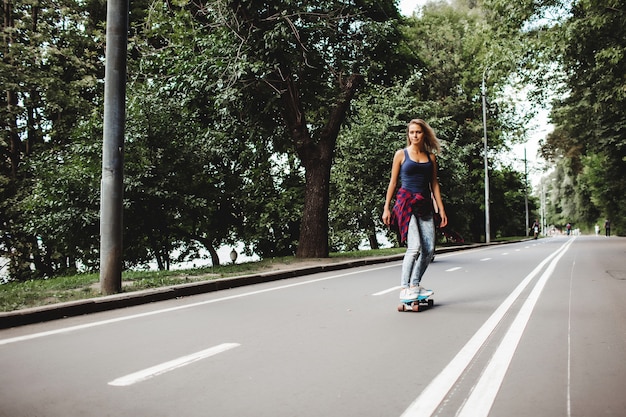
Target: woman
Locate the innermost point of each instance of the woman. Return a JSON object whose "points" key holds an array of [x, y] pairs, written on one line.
{"points": [[416, 167]]}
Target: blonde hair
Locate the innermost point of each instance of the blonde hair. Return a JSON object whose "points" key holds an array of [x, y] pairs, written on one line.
{"points": [[431, 143]]}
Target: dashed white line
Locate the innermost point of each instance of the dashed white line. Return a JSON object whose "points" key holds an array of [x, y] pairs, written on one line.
{"points": [[383, 292], [392, 289], [162, 368]]}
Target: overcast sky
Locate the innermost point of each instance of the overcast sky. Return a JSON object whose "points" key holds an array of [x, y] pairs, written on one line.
{"points": [[407, 7]]}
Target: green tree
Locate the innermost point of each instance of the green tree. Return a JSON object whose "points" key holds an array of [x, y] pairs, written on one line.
{"points": [[590, 119], [508, 215], [305, 61], [49, 72], [222, 176], [360, 174]]}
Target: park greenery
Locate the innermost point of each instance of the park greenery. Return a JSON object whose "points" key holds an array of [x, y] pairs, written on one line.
{"points": [[273, 123]]}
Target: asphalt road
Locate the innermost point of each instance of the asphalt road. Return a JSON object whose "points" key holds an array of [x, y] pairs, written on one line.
{"points": [[527, 329]]}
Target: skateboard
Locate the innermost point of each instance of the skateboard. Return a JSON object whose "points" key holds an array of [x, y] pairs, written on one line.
{"points": [[416, 304]]}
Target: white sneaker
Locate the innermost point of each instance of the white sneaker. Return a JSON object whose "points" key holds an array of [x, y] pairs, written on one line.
{"points": [[423, 292], [408, 294]]}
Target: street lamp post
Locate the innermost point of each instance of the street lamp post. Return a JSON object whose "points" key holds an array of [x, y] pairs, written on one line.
{"points": [[543, 207], [487, 226], [526, 192]]}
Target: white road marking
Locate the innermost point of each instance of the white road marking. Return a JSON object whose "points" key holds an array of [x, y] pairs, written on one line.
{"points": [[387, 291], [162, 368], [484, 393], [430, 398], [456, 268], [182, 307], [569, 342], [485, 259]]}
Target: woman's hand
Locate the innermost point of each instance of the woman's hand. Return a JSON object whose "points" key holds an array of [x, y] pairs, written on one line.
{"points": [[444, 219], [386, 216]]}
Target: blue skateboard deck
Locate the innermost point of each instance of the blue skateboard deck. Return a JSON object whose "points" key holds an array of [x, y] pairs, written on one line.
{"points": [[415, 304]]}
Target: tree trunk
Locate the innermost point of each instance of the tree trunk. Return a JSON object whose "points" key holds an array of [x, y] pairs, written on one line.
{"points": [[208, 244], [215, 258], [313, 241], [373, 241], [316, 157]]}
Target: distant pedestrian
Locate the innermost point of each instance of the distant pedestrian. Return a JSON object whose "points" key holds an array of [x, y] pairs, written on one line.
{"points": [[607, 227], [535, 228], [597, 229], [569, 228]]}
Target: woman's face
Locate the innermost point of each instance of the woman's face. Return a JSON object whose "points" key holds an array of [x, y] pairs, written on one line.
{"points": [[416, 134]]}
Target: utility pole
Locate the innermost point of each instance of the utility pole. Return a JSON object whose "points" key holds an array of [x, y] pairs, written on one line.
{"points": [[543, 206], [112, 184], [526, 190]]}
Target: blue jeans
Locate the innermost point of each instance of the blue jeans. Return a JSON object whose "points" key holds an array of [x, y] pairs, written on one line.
{"points": [[420, 249]]}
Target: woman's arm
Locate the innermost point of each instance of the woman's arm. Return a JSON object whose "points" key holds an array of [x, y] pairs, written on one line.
{"points": [[398, 158], [435, 188]]}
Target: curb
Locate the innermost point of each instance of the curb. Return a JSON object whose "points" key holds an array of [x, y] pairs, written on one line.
{"points": [[121, 300]]}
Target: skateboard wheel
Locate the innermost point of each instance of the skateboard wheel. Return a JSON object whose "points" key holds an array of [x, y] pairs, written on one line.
{"points": [[415, 307], [431, 303], [401, 307]]}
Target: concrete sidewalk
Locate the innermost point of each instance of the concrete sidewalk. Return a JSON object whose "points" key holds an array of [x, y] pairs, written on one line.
{"points": [[93, 305]]}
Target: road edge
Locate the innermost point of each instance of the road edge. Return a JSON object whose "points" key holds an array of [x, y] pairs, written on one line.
{"points": [[94, 305]]}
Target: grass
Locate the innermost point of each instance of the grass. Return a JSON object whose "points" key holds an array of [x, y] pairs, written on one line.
{"points": [[34, 293]]}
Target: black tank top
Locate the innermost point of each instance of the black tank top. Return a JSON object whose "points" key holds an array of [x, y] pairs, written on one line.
{"points": [[416, 176]]}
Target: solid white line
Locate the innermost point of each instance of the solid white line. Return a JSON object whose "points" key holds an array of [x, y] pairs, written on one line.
{"points": [[456, 268], [170, 365], [182, 307], [484, 393], [485, 259], [430, 398], [569, 343]]}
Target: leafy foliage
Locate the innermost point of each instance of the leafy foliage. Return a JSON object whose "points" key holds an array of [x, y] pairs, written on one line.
{"points": [[590, 119], [49, 73], [274, 123]]}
